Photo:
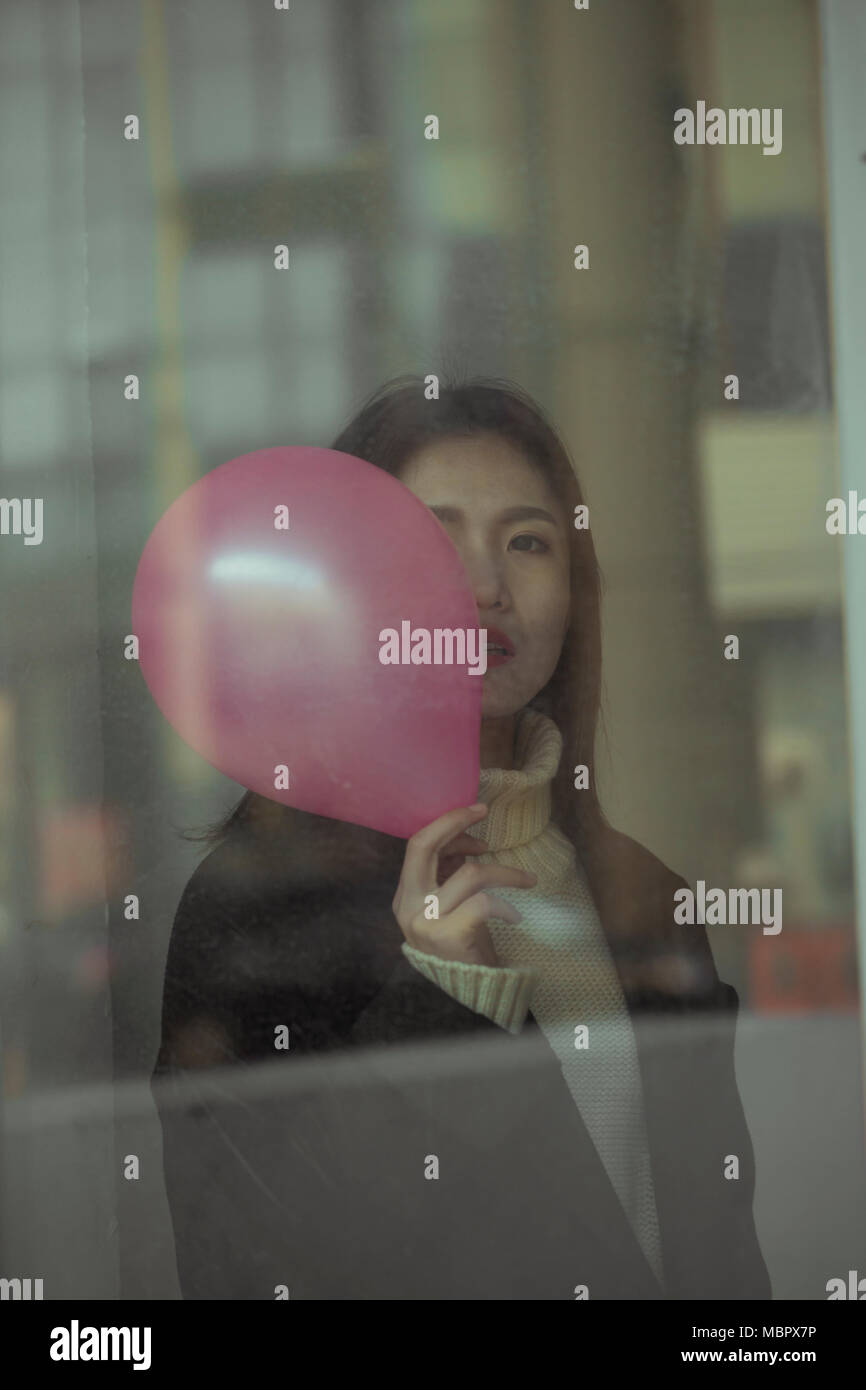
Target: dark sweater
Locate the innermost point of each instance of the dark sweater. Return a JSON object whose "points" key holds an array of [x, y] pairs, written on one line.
{"points": [[404, 1146]]}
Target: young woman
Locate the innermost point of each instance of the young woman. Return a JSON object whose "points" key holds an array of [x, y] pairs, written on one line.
{"points": [[530, 1096]]}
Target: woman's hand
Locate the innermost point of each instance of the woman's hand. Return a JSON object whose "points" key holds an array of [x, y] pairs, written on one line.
{"points": [[461, 931]]}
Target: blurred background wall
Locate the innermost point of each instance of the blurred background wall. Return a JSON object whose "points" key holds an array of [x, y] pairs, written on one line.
{"points": [[155, 257]]}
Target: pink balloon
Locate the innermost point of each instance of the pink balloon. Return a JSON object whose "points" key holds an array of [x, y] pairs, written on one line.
{"points": [[261, 645]]}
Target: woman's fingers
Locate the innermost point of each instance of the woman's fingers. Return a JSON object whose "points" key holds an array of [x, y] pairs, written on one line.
{"points": [[455, 853], [465, 934], [464, 844], [459, 931], [477, 878], [419, 876]]}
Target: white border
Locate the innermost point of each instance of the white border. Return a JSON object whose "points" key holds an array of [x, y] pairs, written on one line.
{"points": [[843, 35]]}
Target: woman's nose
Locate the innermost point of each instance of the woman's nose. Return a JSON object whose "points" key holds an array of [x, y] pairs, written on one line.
{"points": [[486, 573], [488, 587]]}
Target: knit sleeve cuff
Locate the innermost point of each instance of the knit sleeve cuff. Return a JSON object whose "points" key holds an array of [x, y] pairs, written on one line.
{"points": [[501, 993]]}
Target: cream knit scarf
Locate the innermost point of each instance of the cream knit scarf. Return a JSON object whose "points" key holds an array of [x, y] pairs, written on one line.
{"points": [[561, 940]]}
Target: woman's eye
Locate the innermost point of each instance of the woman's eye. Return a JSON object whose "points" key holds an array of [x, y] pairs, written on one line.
{"points": [[525, 536]]}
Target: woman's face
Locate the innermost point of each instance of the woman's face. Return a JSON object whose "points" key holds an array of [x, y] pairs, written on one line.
{"points": [[512, 535]]}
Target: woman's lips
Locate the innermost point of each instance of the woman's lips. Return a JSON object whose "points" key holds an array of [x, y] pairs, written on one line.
{"points": [[497, 638]]}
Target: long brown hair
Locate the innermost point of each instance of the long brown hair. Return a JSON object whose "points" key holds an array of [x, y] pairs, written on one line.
{"points": [[394, 423]]}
